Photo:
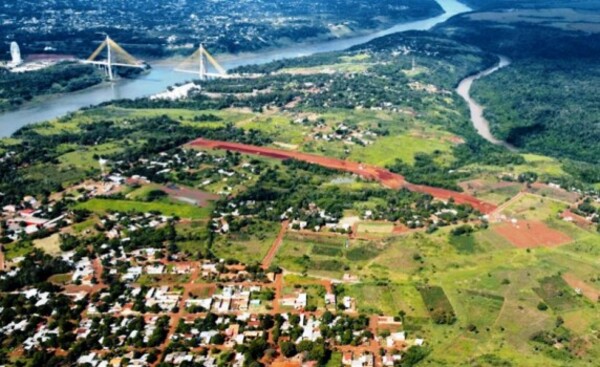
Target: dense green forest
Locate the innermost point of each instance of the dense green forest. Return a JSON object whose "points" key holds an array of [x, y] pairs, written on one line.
{"points": [[545, 102], [551, 107], [487, 4], [17, 88]]}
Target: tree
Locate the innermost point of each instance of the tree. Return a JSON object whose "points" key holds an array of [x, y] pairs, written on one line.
{"points": [[288, 349]]}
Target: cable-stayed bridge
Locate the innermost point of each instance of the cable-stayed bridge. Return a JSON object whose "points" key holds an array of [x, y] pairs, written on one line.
{"points": [[116, 56], [198, 64]]}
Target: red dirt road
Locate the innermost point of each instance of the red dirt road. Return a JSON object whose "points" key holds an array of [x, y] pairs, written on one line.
{"points": [[275, 246], [385, 177], [529, 234]]}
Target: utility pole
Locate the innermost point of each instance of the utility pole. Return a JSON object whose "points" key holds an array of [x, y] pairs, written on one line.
{"points": [[109, 61]]}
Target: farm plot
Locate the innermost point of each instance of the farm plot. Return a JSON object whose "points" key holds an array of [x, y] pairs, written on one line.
{"points": [[481, 308], [530, 234], [324, 256], [592, 293], [437, 303], [557, 294]]}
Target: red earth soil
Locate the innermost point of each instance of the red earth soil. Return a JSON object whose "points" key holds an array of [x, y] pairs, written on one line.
{"points": [[275, 246], [385, 177], [577, 219], [529, 234], [401, 228], [587, 290]]}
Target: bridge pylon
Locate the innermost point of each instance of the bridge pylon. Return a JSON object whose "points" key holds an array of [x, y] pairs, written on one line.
{"points": [[197, 64], [116, 56]]}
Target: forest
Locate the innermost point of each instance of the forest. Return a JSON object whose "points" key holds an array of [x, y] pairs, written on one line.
{"points": [[17, 88], [544, 102], [555, 116]]}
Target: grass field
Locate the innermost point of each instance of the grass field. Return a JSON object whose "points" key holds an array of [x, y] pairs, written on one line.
{"points": [[84, 158], [435, 300], [328, 69], [250, 245], [324, 256], [17, 249], [557, 293], [387, 299], [279, 127], [179, 210], [533, 207], [465, 244], [375, 227], [386, 150], [50, 245]]}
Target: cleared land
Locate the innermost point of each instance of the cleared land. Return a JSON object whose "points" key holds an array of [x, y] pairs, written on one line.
{"points": [[179, 210], [529, 234], [592, 293], [385, 177]]}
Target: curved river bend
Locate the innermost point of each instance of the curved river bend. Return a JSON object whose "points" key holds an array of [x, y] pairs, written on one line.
{"points": [[162, 75], [480, 123]]}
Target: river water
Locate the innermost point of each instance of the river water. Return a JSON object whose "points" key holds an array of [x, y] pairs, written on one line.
{"points": [[480, 123], [162, 75]]}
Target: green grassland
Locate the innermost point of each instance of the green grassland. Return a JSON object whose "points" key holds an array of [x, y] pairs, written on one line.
{"points": [[83, 158], [73, 121], [250, 245], [279, 127], [386, 298], [375, 227], [165, 208], [387, 149], [534, 207], [327, 69]]}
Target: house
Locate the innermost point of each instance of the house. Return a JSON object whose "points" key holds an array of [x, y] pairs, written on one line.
{"points": [[330, 299], [301, 301], [347, 358], [155, 269], [394, 338]]}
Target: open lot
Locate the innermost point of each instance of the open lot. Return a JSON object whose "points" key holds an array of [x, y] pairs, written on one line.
{"points": [[529, 234], [50, 245], [169, 209]]}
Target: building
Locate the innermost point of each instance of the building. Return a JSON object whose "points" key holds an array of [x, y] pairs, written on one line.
{"points": [[15, 53]]}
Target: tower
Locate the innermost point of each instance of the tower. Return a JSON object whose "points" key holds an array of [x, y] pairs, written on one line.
{"points": [[15, 53], [202, 66], [108, 59]]}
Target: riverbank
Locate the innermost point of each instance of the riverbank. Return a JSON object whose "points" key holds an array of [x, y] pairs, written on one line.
{"points": [[161, 77], [480, 123]]}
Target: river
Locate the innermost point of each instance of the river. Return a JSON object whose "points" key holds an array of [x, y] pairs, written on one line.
{"points": [[162, 74], [480, 123]]}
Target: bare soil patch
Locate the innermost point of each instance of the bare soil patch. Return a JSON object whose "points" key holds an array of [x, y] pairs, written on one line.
{"points": [[587, 290], [530, 234]]}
